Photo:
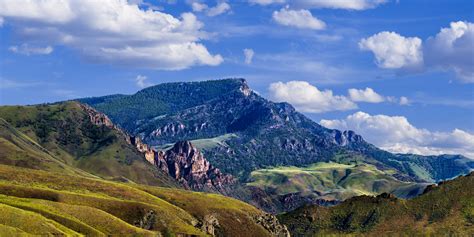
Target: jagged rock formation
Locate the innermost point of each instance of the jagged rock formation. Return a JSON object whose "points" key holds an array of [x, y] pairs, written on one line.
{"points": [[272, 225], [182, 162], [187, 165]]}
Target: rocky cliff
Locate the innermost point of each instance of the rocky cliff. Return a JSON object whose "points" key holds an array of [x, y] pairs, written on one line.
{"points": [[183, 161], [187, 165]]}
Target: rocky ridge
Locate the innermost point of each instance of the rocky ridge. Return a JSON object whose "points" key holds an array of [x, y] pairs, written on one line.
{"points": [[183, 161]]}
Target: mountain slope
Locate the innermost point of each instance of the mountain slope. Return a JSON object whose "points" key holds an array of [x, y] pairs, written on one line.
{"points": [[329, 183], [443, 210], [64, 134], [242, 132], [47, 203]]}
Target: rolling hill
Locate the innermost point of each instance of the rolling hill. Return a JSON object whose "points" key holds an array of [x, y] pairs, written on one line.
{"points": [[62, 136], [65, 170], [446, 209], [48, 203]]}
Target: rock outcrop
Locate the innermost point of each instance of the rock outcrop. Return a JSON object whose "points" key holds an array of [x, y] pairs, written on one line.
{"points": [[183, 161], [188, 166], [272, 225]]}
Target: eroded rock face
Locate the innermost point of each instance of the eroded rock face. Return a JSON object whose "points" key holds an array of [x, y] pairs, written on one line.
{"points": [[183, 161], [272, 225], [186, 164]]}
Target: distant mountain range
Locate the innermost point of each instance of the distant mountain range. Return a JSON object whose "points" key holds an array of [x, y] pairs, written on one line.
{"points": [[214, 136], [239, 132]]}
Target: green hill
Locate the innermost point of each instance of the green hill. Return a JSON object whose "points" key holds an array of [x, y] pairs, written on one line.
{"points": [[62, 137], [48, 203], [443, 210], [331, 181]]}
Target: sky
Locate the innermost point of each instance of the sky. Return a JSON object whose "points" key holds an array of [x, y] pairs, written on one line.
{"points": [[398, 72]]}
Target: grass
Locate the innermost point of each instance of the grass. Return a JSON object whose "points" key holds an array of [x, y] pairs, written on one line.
{"points": [[329, 180], [206, 143], [61, 137], [73, 204], [447, 210]]}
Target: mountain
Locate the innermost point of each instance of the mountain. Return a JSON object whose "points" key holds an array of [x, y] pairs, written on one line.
{"points": [[66, 137], [66, 169], [241, 133], [328, 183], [446, 209]]}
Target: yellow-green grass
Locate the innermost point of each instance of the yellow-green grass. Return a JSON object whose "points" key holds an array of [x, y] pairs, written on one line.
{"points": [[61, 138], [447, 210], [330, 180], [95, 207], [235, 217], [19, 150], [205, 143], [30, 222]]}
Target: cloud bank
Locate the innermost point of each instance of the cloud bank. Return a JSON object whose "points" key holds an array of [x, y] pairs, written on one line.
{"points": [[308, 98], [113, 32], [396, 134], [450, 50]]}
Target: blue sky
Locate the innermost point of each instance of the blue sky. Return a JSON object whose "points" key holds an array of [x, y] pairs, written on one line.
{"points": [[309, 53]]}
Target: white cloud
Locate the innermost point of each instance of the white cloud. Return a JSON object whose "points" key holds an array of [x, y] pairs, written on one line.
{"points": [[26, 49], [392, 50], [308, 98], [404, 101], [367, 95], [113, 31], [396, 134], [198, 7], [248, 53], [1, 21], [142, 82], [218, 9], [298, 18], [453, 49]]}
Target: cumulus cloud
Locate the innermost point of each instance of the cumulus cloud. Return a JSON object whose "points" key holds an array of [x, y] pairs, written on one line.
{"points": [[248, 53], [450, 50], [198, 7], [453, 49], [113, 32], [302, 19], [404, 101], [26, 49], [392, 50], [333, 4], [142, 82], [367, 95], [396, 134], [218, 9], [308, 98]]}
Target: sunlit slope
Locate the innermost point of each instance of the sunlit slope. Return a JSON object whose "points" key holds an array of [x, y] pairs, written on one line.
{"points": [[67, 204], [331, 181], [445, 210], [19, 150], [30, 135]]}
